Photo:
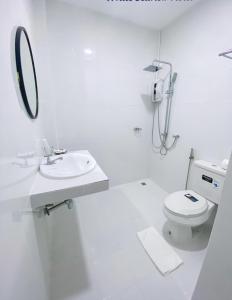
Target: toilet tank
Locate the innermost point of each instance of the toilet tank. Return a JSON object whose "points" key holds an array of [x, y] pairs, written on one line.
{"points": [[207, 179]]}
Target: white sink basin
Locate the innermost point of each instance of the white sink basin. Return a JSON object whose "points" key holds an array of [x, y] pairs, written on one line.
{"points": [[71, 165]]}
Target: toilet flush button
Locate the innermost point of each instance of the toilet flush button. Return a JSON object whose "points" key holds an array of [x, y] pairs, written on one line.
{"points": [[216, 184]]}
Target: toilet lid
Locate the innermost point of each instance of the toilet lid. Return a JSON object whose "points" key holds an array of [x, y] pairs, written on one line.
{"points": [[186, 203]]}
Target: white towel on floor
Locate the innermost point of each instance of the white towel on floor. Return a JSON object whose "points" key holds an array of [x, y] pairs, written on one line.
{"points": [[163, 256]]}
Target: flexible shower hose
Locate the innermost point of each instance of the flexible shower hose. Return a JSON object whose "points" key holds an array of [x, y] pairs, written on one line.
{"points": [[163, 148]]}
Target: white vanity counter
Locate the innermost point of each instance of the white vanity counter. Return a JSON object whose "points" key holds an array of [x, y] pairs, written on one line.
{"points": [[47, 190]]}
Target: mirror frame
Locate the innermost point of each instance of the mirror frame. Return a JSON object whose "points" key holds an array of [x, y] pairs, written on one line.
{"points": [[19, 70]]}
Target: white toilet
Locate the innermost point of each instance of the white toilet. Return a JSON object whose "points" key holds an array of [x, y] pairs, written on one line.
{"points": [[188, 209]]}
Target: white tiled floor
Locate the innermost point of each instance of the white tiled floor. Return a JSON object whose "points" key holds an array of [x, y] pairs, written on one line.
{"points": [[96, 254]]}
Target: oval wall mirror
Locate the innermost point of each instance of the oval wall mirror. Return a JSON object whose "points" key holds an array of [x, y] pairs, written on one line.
{"points": [[26, 74]]}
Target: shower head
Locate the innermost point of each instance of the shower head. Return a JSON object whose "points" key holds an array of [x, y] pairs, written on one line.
{"points": [[174, 77], [155, 66], [172, 83], [152, 68]]}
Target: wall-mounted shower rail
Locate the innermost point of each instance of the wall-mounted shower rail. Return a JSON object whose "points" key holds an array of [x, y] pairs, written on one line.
{"points": [[226, 54], [50, 207]]}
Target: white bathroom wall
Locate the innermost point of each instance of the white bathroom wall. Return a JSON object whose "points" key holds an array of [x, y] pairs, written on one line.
{"points": [[23, 252], [24, 256], [202, 104], [100, 89], [44, 72]]}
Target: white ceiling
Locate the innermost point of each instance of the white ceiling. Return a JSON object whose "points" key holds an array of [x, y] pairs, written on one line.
{"points": [[153, 14]]}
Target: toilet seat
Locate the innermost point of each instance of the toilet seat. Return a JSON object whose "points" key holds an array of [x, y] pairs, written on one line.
{"points": [[179, 205]]}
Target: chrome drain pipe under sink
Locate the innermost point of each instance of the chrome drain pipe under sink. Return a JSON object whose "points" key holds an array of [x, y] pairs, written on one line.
{"points": [[50, 207]]}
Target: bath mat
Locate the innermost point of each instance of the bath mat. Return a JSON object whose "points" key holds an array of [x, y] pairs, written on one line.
{"points": [[160, 252]]}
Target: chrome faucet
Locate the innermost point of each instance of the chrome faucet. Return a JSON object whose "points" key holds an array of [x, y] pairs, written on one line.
{"points": [[52, 161], [48, 153]]}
